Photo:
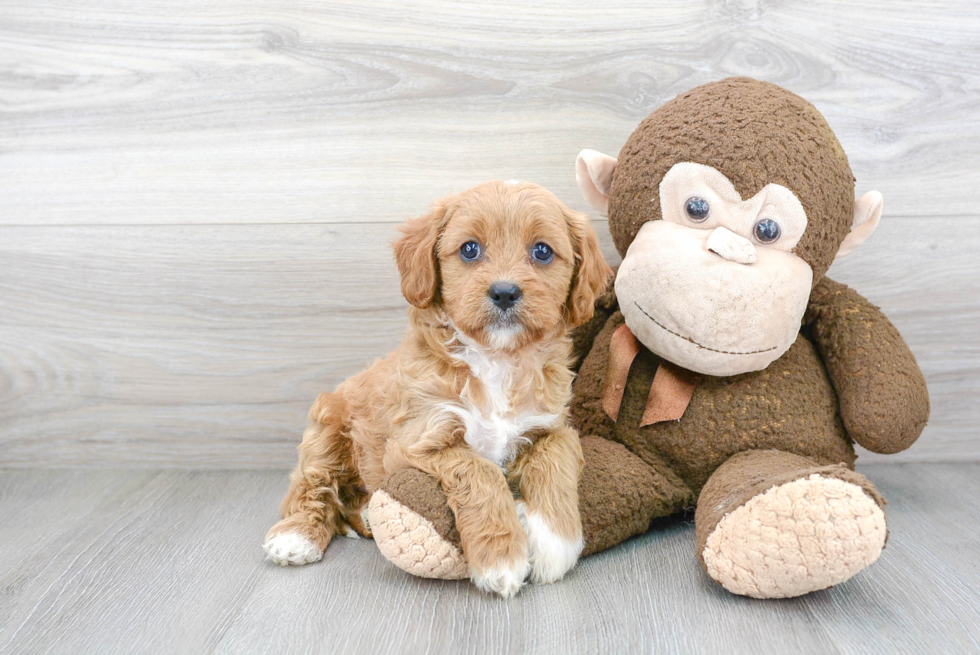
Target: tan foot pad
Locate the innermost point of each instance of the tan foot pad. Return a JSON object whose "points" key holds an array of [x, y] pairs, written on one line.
{"points": [[795, 538], [410, 541]]}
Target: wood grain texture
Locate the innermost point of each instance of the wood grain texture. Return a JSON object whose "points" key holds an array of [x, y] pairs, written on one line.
{"points": [[273, 111], [203, 346], [167, 562], [197, 198]]}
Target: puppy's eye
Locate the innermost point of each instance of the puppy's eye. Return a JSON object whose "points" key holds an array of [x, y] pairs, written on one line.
{"points": [[470, 251], [697, 208], [766, 230], [542, 253]]}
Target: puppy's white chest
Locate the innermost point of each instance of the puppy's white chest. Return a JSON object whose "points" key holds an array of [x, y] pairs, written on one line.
{"points": [[498, 435], [493, 428]]}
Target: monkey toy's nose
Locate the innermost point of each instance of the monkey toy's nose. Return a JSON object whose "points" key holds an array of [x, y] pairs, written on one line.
{"points": [[734, 248], [504, 294]]}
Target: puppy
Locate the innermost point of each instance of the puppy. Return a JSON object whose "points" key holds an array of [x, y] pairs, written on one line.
{"points": [[475, 395]]}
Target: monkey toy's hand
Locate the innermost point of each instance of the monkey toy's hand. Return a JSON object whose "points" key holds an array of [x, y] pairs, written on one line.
{"points": [[883, 397]]}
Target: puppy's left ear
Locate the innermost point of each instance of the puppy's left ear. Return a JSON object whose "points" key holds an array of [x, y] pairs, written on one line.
{"points": [[416, 257], [592, 273]]}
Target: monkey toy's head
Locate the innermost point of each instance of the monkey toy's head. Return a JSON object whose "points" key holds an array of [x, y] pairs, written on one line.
{"points": [[727, 204]]}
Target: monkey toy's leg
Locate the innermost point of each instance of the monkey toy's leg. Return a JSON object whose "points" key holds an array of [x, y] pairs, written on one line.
{"points": [[414, 527], [619, 495], [775, 525]]}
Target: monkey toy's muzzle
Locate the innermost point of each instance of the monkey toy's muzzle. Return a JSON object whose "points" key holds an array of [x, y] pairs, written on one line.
{"points": [[709, 300]]}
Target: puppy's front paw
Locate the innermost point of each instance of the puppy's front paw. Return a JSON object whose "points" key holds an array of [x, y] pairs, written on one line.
{"points": [[503, 579], [550, 555], [293, 548]]}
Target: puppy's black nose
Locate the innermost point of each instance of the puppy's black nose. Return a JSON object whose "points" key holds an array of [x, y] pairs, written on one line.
{"points": [[504, 294]]}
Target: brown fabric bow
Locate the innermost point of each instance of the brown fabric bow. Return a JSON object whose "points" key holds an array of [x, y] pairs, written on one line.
{"points": [[671, 390]]}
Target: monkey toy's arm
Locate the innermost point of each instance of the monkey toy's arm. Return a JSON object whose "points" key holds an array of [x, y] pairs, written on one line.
{"points": [[882, 392], [583, 336]]}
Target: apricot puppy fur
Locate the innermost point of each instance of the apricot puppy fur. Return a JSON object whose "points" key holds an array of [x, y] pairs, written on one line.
{"points": [[475, 395]]}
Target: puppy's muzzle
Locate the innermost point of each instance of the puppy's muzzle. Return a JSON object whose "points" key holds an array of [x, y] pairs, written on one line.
{"points": [[504, 294]]}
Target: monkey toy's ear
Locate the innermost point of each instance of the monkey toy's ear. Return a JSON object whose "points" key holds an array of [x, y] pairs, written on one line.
{"points": [[593, 172], [867, 213]]}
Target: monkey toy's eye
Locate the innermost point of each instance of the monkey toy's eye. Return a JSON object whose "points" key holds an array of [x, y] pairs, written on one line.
{"points": [[542, 253], [766, 230], [697, 208], [470, 251]]}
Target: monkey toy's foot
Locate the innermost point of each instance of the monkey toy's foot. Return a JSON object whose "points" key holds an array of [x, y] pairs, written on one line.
{"points": [[414, 527], [775, 525]]}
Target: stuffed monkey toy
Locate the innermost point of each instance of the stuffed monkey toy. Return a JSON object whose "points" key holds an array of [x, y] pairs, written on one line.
{"points": [[724, 370]]}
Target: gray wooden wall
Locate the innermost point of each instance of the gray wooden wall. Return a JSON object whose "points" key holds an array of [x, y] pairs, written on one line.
{"points": [[197, 198]]}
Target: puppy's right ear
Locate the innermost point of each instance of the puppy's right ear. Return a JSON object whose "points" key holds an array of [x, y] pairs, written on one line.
{"points": [[415, 255]]}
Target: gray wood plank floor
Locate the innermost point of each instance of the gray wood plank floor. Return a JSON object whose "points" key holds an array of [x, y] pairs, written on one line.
{"points": [[169, 562]]}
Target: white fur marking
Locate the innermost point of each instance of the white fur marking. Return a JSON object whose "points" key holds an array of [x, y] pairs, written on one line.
{"points": [[503, 580], [494, 431], [291, 548], [512, 182], [502, 337], [550, 556]]}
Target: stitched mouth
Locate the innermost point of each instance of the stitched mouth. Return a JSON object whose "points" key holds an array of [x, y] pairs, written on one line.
{"points": [[714, 350]]}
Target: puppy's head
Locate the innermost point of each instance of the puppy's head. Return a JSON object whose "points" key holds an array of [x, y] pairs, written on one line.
{"points": [[509, 263]]}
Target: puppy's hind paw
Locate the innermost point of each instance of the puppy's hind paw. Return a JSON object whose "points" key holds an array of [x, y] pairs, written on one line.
{"points": [[502, 579], [293, 548]]}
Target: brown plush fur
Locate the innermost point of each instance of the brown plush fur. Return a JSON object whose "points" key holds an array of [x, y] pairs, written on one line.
{"points": [[423, 494], [884, 402], [789, 406], [849, 376], [393, 417], [755, 133]]}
